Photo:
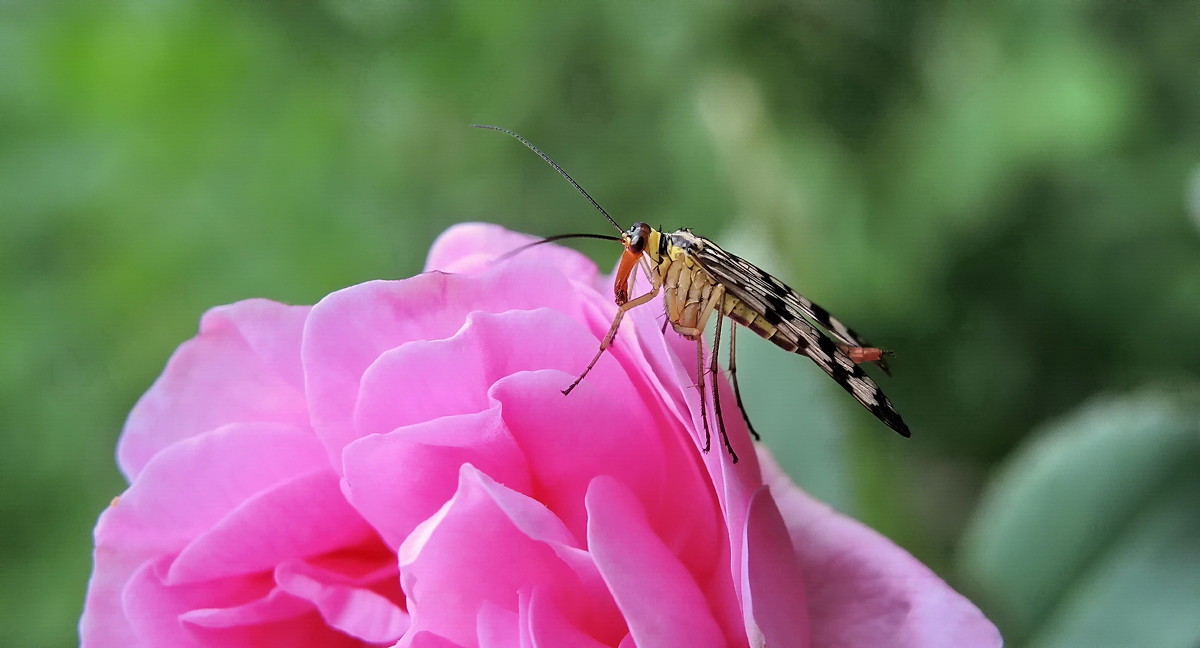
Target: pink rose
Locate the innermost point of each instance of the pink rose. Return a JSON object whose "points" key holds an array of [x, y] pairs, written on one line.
{"points": [[396, 466]]}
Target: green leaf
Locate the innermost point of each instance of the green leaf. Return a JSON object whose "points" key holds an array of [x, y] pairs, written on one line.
{"points": [[1090, 536]]}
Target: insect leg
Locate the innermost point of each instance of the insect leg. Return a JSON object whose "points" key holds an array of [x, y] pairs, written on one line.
{"points": [[733, 378], [703, 392], [646, 268], [633, 276], [651, 274], [717, 387], [612, 332], [714, 298]]}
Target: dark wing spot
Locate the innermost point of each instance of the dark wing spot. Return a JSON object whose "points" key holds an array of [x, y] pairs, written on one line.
{"points": [[821, 315], [830, 348], [884, 411], [776, 309]]}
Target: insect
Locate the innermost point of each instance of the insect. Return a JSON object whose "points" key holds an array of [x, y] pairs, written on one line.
{"points": [[699, 280]]}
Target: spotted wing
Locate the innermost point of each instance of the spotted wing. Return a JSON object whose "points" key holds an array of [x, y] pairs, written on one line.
{"points": [[787, 310], [765, 284]]}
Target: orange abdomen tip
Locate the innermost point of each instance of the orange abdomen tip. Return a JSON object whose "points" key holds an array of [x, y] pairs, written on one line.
{"points": [[865, 354]]}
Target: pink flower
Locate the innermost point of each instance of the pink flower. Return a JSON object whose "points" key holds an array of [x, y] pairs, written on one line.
{"points": [[396, 466]]}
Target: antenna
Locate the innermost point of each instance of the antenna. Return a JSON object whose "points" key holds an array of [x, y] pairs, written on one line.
{"points": [[554, 164], [551, 239]]}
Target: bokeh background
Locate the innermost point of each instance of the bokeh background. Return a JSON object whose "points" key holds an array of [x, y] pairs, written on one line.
{"points": [[1006, 194]]}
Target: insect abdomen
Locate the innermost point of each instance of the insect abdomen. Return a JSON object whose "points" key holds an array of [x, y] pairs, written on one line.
{"points": [[738, 311]]}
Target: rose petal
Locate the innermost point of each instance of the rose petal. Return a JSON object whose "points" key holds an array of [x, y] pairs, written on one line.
{"points": [[241, 368], [305, 630], [535, 521], [345, 604], [862, 589], [569, 440], [240, 612], [426, 639], [456, 373], [394, 501], [604, 430], [277, 605], [773, 587], [154, 608], [661, 602], [304, 516], [347, 331], [104, 622], [673, 379], [448, 573], [427, 411], [549, 628], [182, 492], [192, 485], [498, 627]]}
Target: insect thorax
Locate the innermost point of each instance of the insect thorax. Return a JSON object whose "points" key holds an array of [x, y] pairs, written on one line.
{"points": [[687, 285]]}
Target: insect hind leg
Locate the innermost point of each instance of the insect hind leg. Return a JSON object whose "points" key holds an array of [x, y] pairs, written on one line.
{"points": [[700, 384], [737, 392], [713, 370]]}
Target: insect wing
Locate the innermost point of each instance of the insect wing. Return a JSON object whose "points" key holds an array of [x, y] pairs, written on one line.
{"points": [[762, 283], [786, 310]]}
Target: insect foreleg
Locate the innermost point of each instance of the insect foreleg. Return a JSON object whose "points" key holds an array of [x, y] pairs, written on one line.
{"points": [[737, 393], [633, 277], [646, 268], [612, 330]]}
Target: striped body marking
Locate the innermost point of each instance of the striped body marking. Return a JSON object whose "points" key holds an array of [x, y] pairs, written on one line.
{"points": [[698, 279]]}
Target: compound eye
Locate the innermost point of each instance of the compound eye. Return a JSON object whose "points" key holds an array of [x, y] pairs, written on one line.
{"points": [[637, 243], [637, 237]]}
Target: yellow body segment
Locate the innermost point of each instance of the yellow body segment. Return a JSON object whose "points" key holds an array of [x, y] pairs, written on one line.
{"points": [[687, 288]]}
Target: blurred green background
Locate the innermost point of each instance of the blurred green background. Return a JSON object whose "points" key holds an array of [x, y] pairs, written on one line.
{"points": [[1006, 194]]}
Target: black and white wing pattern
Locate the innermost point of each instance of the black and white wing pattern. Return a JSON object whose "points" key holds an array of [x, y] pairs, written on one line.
{"points": [[787, 310], [792, 300]]}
